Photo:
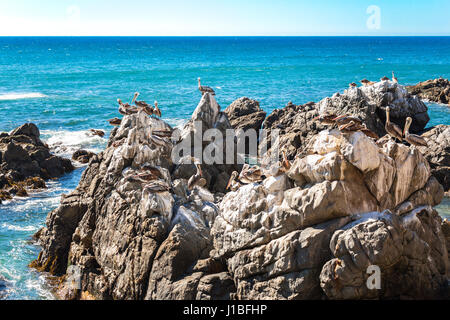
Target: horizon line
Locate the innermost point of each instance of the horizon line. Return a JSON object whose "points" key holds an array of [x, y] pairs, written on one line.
{"points": [[227, 36]]}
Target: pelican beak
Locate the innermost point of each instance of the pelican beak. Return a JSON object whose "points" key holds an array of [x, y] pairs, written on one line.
{"points": [[340, 117]]}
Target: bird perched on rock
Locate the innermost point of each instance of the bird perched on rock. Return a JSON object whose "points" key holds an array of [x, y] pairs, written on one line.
{"points": [[384, 79], [392, 129], [365, 82], [233, 183], [250, 174], [142, 105], [327, 119], [157, 186], [205, 89], [197, 179], [96, 132], [413, 139], [353, 85], [146, 168], [157, 111], [126, 109], [115, 122], [394, 78], [345, 119]]}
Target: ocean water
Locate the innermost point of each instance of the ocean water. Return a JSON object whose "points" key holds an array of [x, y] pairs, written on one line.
{"points": [[68, 85]]}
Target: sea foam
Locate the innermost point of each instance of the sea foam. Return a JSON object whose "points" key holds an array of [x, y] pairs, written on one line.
{"points": [[65, 143], [20, 96]]}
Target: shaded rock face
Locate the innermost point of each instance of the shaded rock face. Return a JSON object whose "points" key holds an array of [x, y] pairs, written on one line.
{"points": [[82, 156], [409, 250], [208, 115], [369, 103], [23, 155], [437, 90], [306, 234], [245, 113], [438, 153]]}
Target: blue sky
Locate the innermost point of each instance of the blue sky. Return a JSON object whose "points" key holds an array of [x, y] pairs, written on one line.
{"points": [[224, 17]]}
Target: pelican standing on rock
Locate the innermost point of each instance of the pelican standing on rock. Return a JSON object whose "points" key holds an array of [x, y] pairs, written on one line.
{"points": [[197, 179], [115, 122], [413, 139], [326, 119], [391, 128], [234, 184], [353, 85], [250, 174], [394, 78], [157, 111], [205, 89], [99, 133]]}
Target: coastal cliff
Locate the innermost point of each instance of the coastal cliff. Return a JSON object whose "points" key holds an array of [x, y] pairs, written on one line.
{"points": [[348, 202]]}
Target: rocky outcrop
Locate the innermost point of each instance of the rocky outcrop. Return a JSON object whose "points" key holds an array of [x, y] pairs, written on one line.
{"points": [[245, 113], [2, 287], [309, 233], [410, 252], [25, 161], [437, 90], [296, 126], [438, 153], [192, 140], [82, 156]]}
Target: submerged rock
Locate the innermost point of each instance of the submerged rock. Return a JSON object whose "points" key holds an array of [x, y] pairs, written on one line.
{"points": [[437, 90]]}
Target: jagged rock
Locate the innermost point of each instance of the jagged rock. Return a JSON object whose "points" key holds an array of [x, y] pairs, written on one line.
{"points": [[245, 113], [25, 160], [437, 90], [410, 252], [296, 127], [438, 153], [2, 287], [82, 156], [206, 116], [267, 240]]}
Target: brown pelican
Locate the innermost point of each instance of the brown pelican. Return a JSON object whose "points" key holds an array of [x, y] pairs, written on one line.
{"points": [[119, 143], [345, 119], [205, 89], [99, 133], [327, 119], [159, 141], [413, 139], [353, 85], [163, 133], [250, 174], [115, 122], [394, 78], [234, 184], [144, 177], [369, 133], [140, 104], [121, 104], [391, 128], [286, 164], [365, 82], [197, 179], [153, 170], [384, 79], [157, 111], [157, 186]]}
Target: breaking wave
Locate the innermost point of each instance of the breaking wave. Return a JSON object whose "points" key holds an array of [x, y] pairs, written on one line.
{"points": [[20, 96]]}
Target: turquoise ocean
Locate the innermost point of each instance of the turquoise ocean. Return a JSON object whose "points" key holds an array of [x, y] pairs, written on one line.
{"points": [[69, 85]]}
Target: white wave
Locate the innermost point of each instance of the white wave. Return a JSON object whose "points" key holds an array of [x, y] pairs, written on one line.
{"points": [[17, 228], [176, 123], [20, 96], [65, 143]]}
